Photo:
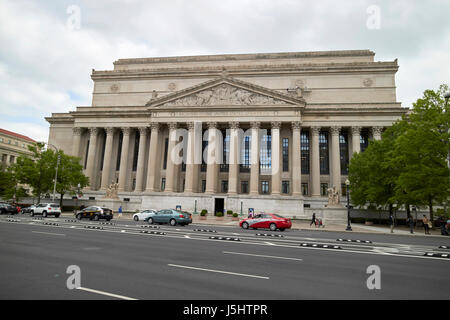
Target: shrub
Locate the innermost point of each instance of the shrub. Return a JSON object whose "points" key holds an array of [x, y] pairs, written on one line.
{"points": [[229, 212], [219, 214], [204, 212], [235, 215]]}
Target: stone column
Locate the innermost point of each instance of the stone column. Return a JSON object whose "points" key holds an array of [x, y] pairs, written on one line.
{"points": [[276, 170], [170, 168], [90, 166], [315, 162], [296, 159], [336, 158], [254, 168], [107, 158], [212, 168], [141, 159], [152, 157], [124, 158], [356, 139], [76, 141], [192, 159], [376, 133], [233, 174]]}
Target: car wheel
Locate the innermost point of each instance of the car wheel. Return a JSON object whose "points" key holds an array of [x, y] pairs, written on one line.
{"points": [[273, 227], [96, 217], [150, 220], [136, 218], [108, 219], [282, 229], [56, 215], [79, 216], [32, 213], [173, 222], [44, 214], [245, 225], [3, 211]]}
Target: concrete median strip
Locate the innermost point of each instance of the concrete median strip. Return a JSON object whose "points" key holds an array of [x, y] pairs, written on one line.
{"points": [[437, 255], [350, 240], [321, 246], [219, 271], [225, 238], [269, 235]]}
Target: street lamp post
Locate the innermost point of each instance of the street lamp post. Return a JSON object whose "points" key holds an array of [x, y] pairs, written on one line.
{"points": [[446, 97], [347, 183]]}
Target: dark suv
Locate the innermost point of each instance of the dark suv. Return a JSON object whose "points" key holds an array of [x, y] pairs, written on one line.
{"points": [[6, 208], [95, 213]]}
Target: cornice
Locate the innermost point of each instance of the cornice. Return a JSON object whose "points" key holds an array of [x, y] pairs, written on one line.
{"points": [[246, 56]]}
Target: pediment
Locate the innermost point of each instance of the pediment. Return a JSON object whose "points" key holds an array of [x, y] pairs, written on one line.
{"points": [[225, 92]]}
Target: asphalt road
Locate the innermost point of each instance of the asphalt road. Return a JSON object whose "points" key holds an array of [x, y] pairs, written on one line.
{"points": [[126, 260]]}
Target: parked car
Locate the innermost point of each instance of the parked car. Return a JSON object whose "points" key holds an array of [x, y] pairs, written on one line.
{"points": [[266, 221], [28, 209], [144, 215], [95, 213], [46, 209], [6, 208], [172, 217]]}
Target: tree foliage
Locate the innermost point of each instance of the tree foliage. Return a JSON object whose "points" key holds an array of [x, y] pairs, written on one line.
{"points": [[409, 165]]}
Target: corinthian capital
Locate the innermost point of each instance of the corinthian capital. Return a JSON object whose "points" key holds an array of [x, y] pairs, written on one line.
{"points": [[142, 131], [77, 131], [296, 125], [356, 131], [126, 131], [234, 125], [93, 131], [154, 126], [109, 131], [315, 131], [276, 124], [255, 124], [212, 125], [335, 130]]}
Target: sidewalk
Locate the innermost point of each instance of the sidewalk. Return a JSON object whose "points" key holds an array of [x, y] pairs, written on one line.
{"points": [[300, 225]]}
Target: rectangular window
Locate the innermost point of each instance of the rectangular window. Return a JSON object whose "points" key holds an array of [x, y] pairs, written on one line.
{"points": [[285, 187], [224, 186], [285, 151], [226, 151], [245, 155], [343, 150], [87, 154], [163, 184], [305, 190], [119, 152], [323, 153], [136, 150], [324, 189], [244, 186], [265, 157], [264, 187], [364, 140], [166, 150], [203, 185], [304, 151]]}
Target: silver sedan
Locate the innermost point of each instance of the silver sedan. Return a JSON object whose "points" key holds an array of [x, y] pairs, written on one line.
{"points": [[144, 215]]}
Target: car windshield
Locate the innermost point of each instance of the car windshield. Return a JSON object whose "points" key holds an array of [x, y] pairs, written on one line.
{"points": [[278, 216]]}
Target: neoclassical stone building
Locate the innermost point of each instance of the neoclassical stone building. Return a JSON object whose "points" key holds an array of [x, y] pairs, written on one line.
{"points": [[270, 132]]}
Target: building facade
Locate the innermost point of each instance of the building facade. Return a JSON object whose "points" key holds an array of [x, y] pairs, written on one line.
{"points": [[13, 145], [272, 132]]}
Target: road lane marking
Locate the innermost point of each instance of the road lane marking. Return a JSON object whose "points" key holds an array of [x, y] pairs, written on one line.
{"points": [[106, 293], [49, 233], [260, 255], [219, 271]]}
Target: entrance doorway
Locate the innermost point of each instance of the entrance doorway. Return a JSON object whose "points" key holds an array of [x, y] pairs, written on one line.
{"points": [[219, 204]]}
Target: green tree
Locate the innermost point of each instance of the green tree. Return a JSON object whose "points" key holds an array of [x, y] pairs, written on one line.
{"points": [[70, 174], [36, 170], [9, 184]]}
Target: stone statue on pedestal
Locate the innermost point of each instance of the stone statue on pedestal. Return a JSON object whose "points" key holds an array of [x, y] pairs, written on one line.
{"points": [[333, 197]]}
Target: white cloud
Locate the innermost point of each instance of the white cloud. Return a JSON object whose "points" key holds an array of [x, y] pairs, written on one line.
{"points": [[45, 67]]}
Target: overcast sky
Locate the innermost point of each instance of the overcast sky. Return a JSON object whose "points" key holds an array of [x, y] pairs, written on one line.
{"points": [[48, 48]]}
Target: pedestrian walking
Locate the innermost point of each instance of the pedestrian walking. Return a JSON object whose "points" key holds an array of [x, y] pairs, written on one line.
{"points": [[410, 222], [426, 224], [313, 220], [391, 222], [120, 212]]}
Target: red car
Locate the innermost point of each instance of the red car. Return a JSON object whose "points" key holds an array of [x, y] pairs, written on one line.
{"points": [[266, 221]]}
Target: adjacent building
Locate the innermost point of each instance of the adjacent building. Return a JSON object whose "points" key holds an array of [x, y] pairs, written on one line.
{"points": [[13, 145], [272, 132]]}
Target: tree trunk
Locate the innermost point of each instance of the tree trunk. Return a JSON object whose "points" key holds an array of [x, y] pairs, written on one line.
{"points": [[61, 201], [408, 211], [431, 211]]}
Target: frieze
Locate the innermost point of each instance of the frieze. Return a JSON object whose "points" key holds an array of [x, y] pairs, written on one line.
{"points": [[224, 94]]}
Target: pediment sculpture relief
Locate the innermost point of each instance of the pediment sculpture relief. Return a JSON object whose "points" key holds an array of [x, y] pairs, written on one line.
{"points": [[225, 94]]}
